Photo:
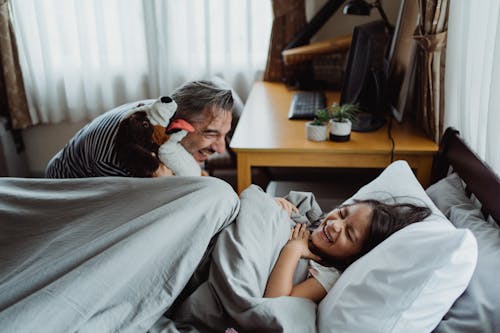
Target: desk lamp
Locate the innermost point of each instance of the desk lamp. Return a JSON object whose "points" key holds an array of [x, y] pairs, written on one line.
{"points": [[361, 7]]}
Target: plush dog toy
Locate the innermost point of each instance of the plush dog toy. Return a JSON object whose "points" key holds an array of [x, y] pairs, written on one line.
{"points": [[149, 136]]}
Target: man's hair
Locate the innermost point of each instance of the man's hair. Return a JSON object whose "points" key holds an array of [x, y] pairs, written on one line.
{"points": [[386, 219], [194, 96]]}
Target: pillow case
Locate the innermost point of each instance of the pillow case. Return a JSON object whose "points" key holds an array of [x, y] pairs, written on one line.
{"points": [[409, 281], [478, 308], [447, 192]]}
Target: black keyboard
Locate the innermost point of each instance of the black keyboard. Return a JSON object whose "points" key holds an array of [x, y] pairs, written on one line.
{"points": [[305, 104]]}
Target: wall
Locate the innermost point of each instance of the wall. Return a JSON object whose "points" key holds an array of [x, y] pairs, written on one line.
{"points": [[42, 142]]}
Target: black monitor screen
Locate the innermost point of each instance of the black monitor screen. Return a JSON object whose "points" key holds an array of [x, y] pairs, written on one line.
{"points": [[364, 77]]}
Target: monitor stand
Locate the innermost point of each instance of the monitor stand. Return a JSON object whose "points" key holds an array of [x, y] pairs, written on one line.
{"points": [[307, 84], [367, 122]]}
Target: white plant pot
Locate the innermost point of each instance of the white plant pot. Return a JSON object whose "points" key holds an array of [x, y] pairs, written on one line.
{"points": [[340, 131], [316, 132]]}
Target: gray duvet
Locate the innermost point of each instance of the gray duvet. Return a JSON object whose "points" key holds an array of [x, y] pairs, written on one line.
{"points": [[114, 255], [102, 254]]}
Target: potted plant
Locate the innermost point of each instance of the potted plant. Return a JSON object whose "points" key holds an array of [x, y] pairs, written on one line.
{"points": [[341, 120], [316, 130]]}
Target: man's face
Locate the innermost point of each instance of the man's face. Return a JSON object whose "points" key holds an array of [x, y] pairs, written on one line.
{"points": [[209, 136]]}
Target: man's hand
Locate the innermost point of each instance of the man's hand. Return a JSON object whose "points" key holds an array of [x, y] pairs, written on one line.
{"points": [[163, 171], [286, 205]]}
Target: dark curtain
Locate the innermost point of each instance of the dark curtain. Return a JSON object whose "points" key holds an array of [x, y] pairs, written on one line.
{"points": [[14, 105], [431, 39], [289, 18]]}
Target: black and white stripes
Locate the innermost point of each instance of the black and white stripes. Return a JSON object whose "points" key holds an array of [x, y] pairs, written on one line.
{"points": [[91, 152]]}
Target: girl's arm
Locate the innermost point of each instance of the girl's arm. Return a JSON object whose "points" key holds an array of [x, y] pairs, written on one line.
{"points": [[280, 281], [311, 289]]}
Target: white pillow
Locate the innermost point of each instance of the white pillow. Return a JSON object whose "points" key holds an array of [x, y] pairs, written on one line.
{"points": [[409, 281]]}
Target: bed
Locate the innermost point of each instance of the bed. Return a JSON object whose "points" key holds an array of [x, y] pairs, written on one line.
{"points": [[138, 255]]}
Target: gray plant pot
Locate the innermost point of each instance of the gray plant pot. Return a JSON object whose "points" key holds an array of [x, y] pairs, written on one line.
{"points": [[316, 132]]}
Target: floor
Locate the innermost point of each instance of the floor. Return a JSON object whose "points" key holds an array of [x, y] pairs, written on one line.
{"points": [[330, 186]]}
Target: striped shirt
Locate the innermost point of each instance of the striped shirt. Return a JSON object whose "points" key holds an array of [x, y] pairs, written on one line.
{"points": [[91, 152]]}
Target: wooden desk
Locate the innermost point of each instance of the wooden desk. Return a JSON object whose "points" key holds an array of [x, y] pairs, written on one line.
{"points": [[265, 137]]}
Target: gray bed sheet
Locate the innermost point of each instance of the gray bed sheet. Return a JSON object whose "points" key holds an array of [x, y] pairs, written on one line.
{"points": [[103, 254]]}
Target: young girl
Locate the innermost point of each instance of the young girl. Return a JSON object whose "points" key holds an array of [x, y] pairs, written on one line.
{"points": [[346, 234]]}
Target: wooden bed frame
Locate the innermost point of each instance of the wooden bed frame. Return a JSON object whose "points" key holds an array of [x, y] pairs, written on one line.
{"points": [[480, 180]]}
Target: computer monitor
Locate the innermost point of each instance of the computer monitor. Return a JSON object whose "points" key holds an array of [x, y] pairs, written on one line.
{"points": [[365, 75]]}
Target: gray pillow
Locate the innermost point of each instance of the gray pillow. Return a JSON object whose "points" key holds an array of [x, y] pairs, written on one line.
{"points": [[478, 308], [447, 192]]}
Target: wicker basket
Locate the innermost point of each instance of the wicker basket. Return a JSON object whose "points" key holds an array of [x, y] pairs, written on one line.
{"points": [[329, 68]]}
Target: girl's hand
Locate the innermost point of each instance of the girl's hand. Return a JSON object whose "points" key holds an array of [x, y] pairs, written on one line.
{"points": [[299, 241], [286, 205]]}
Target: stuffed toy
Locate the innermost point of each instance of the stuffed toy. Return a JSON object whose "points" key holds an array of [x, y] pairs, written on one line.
{"points": [[149, 136]]}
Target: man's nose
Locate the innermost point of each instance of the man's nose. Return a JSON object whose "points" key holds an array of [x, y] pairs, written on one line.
{"points": [[219, 145]]}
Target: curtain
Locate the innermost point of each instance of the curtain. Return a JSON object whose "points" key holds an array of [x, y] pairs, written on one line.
{"points": [[80, 58], [473, 76], [13, 103], [289, 18], [431, 39]]}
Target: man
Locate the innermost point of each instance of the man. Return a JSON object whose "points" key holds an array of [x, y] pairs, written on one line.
{"points": [[92, 152]]}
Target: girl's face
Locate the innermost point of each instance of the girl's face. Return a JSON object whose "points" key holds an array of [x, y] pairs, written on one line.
{"points": [[343, 232]]}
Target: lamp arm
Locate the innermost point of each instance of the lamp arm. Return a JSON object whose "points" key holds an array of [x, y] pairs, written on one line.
{"points": [[303, 36], [378, 4]]}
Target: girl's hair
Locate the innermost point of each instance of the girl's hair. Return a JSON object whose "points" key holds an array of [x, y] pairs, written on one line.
{"points": [[386, 219]]}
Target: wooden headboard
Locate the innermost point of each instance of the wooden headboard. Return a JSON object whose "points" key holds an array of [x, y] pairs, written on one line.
{"points": [[480, 180]]}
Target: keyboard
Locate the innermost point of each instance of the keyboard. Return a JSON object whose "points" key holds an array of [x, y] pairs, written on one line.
{"points": [[305, 104]]}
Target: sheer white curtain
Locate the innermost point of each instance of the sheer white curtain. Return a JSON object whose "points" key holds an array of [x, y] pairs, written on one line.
{"points": [[473, 76], [82, 57]]}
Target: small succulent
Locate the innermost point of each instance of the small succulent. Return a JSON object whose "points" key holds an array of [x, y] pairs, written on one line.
{"points": [[344, 112], [322, 116]]}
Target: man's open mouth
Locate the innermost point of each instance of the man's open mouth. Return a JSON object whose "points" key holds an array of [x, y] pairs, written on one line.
{"points": [[205, 152]]}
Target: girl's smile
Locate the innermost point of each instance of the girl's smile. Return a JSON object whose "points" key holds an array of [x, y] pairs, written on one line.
{"points": [[342, 233]]}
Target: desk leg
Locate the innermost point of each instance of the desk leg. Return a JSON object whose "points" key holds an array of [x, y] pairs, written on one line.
{"points": [[424, 170], [422, 164], [244, 172]]}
